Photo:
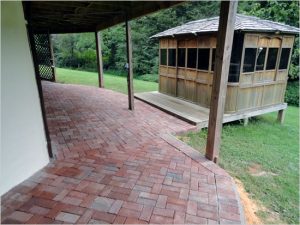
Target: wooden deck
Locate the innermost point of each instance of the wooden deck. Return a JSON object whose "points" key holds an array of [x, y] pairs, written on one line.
{"points": [[196, 114]]}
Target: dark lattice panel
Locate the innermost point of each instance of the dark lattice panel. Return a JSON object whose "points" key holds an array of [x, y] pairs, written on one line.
{"points": [[44, 59]]}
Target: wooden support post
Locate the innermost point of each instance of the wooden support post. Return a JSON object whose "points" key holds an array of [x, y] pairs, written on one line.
{"points": [[280, 116], [219, 85], [246, 121], [99, 59], [130, 70]]}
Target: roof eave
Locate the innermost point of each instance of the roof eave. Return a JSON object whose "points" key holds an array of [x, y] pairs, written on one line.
{"points": [[269, 31], [238, 30]]}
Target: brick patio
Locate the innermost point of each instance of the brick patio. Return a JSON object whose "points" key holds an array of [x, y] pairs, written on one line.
{"points": [[117, 166]]}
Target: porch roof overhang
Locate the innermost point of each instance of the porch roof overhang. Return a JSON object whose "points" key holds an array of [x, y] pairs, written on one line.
{"points": [[85, 16]]}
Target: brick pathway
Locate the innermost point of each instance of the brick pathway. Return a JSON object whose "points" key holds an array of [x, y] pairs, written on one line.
{"points": [[117, 166]]}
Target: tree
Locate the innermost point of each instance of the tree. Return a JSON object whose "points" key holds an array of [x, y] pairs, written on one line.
{"points": [[145, 53], [78, 50]]}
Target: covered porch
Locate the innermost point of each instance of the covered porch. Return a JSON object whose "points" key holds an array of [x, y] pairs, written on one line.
{"points": [[44, 21], [107, 164], [118, 166]]}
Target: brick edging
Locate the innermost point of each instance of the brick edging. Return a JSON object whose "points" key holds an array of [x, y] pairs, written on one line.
{"points": [[211, 166], [241, 208]]}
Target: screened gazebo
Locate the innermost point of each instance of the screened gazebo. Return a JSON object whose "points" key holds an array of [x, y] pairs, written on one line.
{"points": [[259, 64]]}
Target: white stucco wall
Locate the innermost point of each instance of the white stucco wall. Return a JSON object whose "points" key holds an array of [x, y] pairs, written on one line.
{"points": [[23, 142]]}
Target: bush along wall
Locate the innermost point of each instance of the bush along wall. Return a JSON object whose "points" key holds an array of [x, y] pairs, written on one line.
{"points": [[292, 93]]}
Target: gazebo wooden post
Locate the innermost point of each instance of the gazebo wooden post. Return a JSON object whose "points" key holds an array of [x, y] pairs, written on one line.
{"points": [[99, 59], [129, 68], [220, 78]]}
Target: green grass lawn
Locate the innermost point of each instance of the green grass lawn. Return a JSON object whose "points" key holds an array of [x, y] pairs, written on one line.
{"points": [[265, 156], [111, 81]]}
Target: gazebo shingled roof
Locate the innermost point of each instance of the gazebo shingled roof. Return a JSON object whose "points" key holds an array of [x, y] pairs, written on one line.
{"points": [[242, 23]]}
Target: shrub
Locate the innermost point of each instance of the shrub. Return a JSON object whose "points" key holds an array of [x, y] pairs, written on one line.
{"points": [[292, 93], [148, 77], [119, 73]]}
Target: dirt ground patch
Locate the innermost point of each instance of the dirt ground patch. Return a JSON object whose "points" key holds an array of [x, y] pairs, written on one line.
{"points": [[257, 171], [252, 207]]}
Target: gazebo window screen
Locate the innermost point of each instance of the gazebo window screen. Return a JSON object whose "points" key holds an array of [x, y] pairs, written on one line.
{"points": [[272, 58], [260, 54], [203, 58], [260, 62], [235, 60], [163, 56], [171, 57], [192, 57], [43, 56], [249, 60], [284, 58], [181, 57]]}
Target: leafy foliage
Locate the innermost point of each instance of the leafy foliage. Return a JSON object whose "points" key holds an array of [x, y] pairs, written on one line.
{"points": [[148, 77], [70, 49], [292, 93], [77, 51]]}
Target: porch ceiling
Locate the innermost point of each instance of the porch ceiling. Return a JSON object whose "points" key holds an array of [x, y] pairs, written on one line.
{"points": [[86, 16]]}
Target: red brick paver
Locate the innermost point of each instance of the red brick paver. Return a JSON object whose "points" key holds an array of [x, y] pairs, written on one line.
{"points": [[117, 166]]}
